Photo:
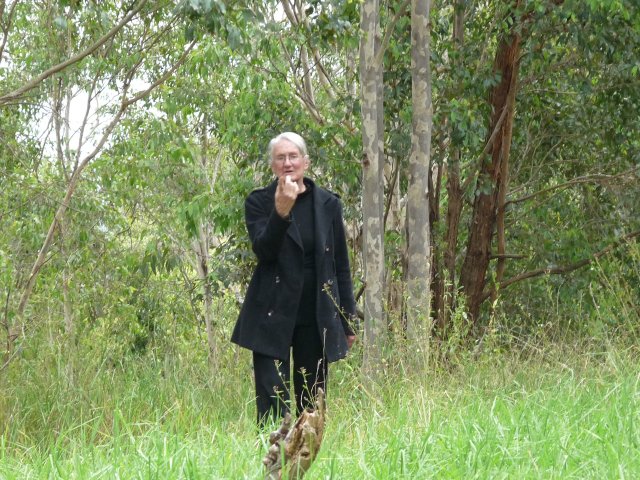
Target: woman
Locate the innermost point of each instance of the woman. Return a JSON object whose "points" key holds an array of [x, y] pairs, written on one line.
{"points": [[300, 297]]}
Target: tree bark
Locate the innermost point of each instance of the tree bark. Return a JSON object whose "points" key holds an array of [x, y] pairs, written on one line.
{"points": [[418, 211], [455, 203], [491, 177], [372, 196], [502, 189]]}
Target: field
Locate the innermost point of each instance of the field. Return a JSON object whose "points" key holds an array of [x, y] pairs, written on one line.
{"points": [[561, 412]]}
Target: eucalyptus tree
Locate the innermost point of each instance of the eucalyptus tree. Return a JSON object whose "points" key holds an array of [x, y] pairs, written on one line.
{"points": [[189, 191], [117, 66], [372, 192], [539, 43], [418, 225]]}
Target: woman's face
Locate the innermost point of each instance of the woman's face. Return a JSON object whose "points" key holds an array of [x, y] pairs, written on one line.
{"points": [[286, 159]]}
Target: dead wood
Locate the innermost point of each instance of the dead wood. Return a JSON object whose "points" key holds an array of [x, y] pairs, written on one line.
{"points": [[300, 443]]}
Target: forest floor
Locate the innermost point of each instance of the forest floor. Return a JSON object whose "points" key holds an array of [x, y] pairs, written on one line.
{"points": [[562, 412]]}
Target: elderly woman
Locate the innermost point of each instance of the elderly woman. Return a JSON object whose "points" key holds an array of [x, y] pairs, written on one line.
{"points": [[300, 297]]}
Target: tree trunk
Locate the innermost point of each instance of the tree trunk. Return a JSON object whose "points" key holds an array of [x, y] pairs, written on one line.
{"points": [[437, 268], [202, 244], [372, 196], [454, 206], [201, 248], [491, 176], [418, 211]]}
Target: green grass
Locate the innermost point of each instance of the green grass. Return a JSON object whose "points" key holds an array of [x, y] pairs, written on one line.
{"points": [[561, 413]]}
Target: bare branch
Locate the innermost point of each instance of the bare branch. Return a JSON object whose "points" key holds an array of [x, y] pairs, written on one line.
{"points": [[85, 119], [7, 27], [30, 85], [75, 177], [163, 78], [507, 255], [325, 81], [288, 10], [566, 268], [595, 178], [306, 74], [488, 145], [57, 117]]}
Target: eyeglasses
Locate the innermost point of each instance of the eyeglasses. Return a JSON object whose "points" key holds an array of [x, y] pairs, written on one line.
{"points": [[293, 157]]}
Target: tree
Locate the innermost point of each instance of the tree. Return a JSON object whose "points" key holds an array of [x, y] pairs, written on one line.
{"points": [[120, 76], [493, 171], [418, 225], [372, 166]]}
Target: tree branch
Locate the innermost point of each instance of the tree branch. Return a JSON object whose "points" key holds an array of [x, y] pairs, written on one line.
{"points": [[288, 10], [566, 268], [507, 255], [7, 27], [30, 85], [595, 178], [389, 31], [488, 145], [75, 177]]}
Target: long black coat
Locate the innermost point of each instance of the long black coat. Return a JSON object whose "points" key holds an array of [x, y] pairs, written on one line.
{"points": [[268, 315]]}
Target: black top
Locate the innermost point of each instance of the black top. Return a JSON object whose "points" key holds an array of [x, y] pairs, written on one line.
{"points": [[304, 219], [266, 321]]}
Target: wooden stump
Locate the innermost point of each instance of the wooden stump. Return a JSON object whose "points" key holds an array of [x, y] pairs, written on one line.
{"points": [[300, 443]]}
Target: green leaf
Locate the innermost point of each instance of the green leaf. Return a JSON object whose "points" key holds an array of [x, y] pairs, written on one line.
{"points": [[60, 22]]}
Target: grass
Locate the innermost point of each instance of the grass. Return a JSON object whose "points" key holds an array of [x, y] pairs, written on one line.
{"points": [[560, 413]]}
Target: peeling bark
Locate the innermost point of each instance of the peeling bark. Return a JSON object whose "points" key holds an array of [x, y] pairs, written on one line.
{"points": [[455, 203], [491, 177], [418, 212], [372, 196]]}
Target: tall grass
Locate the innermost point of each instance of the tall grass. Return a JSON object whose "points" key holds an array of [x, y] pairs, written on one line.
{"points": [[557, 413], [541, 406]]}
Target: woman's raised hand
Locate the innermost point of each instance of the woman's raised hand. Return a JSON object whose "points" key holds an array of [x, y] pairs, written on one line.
{"points": [[286, 195]]}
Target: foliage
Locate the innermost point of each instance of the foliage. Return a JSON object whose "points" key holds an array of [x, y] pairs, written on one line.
{"points": [[185, 157]]}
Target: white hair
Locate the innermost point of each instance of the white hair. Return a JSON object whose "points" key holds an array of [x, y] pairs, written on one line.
{"points": [[292, 137]]}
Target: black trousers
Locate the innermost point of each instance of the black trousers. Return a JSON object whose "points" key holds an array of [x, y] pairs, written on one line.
{"points": [[273, 376]]}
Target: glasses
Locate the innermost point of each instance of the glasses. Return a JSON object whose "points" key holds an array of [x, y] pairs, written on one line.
{"points": [[292, 157]]}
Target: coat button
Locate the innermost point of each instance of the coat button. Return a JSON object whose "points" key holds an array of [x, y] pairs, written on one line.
{"points": [[327, 249], [277, 279], [269, 313]]}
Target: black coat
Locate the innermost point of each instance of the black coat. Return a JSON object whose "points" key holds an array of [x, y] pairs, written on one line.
{"points": [[268, 315]]}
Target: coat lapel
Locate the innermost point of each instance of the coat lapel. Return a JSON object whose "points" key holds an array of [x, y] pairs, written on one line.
{"points": [[294, 233]]}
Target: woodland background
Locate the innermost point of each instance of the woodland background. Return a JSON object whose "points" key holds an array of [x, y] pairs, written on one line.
{"points": [[487, 159]]}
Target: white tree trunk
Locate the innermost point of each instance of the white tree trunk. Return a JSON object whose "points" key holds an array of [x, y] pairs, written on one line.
{"points": [[202, 244], [201, 248], [372, 195], [418, 230]]}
